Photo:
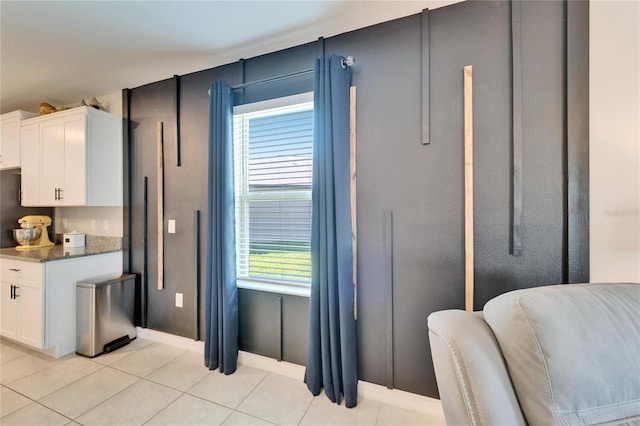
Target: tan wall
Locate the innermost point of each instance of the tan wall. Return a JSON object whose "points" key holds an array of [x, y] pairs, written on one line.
{"points": [[615, 140]]}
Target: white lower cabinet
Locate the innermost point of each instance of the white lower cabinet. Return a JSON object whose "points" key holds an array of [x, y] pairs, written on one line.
{"points": [[21, 301], [38, 300]]}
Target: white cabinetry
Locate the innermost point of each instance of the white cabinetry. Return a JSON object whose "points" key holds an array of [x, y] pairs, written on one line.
{"points": [[72, 158], [10, 138], [21, 302], [38, 300]]}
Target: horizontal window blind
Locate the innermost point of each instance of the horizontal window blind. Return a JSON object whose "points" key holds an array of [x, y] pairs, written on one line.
{"points": [[273, 169]]}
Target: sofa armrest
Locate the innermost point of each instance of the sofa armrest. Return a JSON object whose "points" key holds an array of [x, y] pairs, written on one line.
{"points": [[474, 385]]}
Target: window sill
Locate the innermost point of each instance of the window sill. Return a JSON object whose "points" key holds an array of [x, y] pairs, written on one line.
{"points": [[290, 289]]}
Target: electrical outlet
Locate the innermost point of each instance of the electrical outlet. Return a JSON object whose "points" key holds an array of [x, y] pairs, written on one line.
{"points": [[93, 224], [179, 300], [105, 225], [171, 225]]}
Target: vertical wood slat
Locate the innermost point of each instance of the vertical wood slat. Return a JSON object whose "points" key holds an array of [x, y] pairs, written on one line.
{"points": [[468, 188], [160, 200], [577, 115], [197, 266], [516, 101], [176, 80], [388, 258], [354, 215], [426, 101]]}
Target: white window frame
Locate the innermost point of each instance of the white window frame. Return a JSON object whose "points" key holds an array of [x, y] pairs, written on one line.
{"points": [[281, 287]]}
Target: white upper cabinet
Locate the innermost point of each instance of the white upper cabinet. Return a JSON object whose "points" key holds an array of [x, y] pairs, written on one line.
{"points": [[10, 138], [72, 158]]}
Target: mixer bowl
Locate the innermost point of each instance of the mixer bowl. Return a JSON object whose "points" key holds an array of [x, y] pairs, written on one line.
{"points": [[26, 237]]}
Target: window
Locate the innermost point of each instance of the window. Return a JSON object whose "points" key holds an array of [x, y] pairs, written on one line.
{"points": [[273, 165]]}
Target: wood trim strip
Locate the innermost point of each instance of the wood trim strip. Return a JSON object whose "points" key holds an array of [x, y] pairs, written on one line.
{"points": [[354, 204], [426, 78], [468, 188], [516, 107], [388, 258], [160, 191]]}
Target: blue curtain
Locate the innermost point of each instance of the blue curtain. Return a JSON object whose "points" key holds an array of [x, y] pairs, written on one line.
{"points": [[331, 356], [221, 310]]}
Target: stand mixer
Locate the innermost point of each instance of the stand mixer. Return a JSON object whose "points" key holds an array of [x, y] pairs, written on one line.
{"points": [[33, 233]]}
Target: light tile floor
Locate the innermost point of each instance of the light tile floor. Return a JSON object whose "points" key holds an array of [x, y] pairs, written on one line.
{"points": [[154, 384]]}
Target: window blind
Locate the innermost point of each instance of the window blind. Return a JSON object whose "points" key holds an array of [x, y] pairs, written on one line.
{"points": [[273, 171]]}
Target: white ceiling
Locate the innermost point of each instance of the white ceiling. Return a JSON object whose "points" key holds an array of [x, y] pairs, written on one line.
{"points": [[64, 51]]}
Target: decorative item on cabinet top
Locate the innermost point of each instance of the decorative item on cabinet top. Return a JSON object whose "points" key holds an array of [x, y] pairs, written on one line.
{"points": [[47, 108]]}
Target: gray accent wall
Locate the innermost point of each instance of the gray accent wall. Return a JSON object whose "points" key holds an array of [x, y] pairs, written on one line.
{"points": [[11, 210], [421, 185]]}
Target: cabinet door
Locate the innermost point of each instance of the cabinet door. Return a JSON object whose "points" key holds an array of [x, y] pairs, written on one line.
{"points": [[74, 189], [10, 144], [9, 315], [31, 307], [30, 179], [52, 163]]}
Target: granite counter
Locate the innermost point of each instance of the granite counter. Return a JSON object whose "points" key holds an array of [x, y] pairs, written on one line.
{"points": [[94, 245]]}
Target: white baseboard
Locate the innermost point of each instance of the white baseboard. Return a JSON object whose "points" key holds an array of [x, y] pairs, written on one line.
{"points": [[371, 391], [398, 398], [170, 339]]}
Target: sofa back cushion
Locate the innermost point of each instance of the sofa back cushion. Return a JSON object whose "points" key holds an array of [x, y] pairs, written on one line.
{"points": [[572, 351]]}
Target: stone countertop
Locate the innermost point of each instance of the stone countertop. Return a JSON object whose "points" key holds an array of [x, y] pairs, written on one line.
{"points": [[94, 245]]}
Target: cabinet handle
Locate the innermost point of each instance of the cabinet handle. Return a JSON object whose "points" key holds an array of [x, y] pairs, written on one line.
{"points": [[55, 194], [59, 193], [14, 269], [12, 291], [15, 293]]}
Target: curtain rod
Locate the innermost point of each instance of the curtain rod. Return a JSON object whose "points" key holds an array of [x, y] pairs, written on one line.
{"points": [[269, 80], [346, 62]]}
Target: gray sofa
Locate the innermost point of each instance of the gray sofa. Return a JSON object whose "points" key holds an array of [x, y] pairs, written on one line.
{"points": [[554, 355]]}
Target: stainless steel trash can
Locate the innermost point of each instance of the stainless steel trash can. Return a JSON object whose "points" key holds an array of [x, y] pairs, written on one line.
{"points": [[104, 313]]}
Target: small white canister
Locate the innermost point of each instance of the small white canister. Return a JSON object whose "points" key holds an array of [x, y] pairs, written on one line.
{"points": [[73, 239]]}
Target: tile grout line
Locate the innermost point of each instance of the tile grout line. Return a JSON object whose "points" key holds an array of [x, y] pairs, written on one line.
{"points": [[378, 413], [151, 372], [249, 394], [112, 396], [68, 384], [30, 374], [307, 409], [166, 406]]}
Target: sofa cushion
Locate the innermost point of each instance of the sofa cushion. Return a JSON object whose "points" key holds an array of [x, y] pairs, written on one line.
{"points": [[572, 351]]}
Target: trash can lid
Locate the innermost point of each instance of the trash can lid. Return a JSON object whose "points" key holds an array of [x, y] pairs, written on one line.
{"points": [[105, 280]]}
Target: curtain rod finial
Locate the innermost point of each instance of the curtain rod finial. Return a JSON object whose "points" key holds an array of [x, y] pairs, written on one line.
{"points": [[349, 61]]}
